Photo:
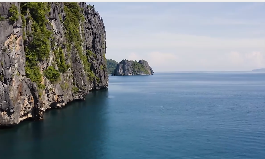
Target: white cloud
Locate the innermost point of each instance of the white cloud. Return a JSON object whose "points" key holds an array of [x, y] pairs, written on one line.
{"points": [[161, 59], [235, 58], [158, 41], [134, 56], [249, 60]]}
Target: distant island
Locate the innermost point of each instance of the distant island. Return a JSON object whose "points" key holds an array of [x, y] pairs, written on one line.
{"points": [[259, 70], [130, 68]]}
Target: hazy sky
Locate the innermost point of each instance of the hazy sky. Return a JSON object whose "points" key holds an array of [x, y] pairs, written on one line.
{"points": [[186, 36]]}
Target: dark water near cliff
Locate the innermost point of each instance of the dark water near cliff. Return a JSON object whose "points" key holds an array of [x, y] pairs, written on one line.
{"points": [[181, 115]]}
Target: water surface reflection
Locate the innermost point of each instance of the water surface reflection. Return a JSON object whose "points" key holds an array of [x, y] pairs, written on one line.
{"points": [[77, 131]]}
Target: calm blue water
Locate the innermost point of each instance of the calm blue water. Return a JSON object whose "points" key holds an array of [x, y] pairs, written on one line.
{"points": [[164, 116]]}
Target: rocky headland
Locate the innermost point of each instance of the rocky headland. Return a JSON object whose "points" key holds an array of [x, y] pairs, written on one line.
{"points": [[50, 54], [131, 68]]}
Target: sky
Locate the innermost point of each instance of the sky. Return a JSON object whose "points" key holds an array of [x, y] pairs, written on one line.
{"points": [[181, 36]]}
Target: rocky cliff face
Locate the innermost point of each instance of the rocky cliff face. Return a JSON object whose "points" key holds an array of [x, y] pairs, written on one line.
{"points": [[51, 54], [128, 68]]}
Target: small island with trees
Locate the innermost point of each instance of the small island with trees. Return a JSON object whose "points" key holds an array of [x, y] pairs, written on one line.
{"points": [[129, 68]]}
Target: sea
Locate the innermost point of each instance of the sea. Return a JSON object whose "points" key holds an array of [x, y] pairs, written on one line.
{"points": [[183, 115]]}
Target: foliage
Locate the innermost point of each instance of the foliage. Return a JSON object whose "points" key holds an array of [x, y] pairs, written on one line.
{"points": [[111, 65], [72, 19], [38, 11], [137, 67], [60, 60], [38, 48], [40, 93], [90, 6], [13, 14], [1, 78], [97, 79], [75, 89], [41, 86], [52, 74], [91, 54], [64, 86], [23, 20], [1, 18], [34, 74], [91, 75], [101, 67], [104, 56]]}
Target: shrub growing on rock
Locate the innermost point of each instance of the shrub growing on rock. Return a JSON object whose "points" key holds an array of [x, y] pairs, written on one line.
{"points": [[52, 74]]}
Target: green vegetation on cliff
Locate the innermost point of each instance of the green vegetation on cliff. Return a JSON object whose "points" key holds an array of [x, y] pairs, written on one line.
{"points": [[39, 46], [1, 77], [75, 89], [137, 67], [74, 17], [60, 60], [34, 74], [111, 65], [52, 74], [38, 40], [13, 14], [1, 18]]}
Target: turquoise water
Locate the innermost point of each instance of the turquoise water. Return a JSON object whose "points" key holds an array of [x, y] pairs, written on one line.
{"points": [[167, 115]]}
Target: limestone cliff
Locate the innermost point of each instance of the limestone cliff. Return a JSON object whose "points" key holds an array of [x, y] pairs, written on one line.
{"points": [[51, 54], [128, 68]]}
